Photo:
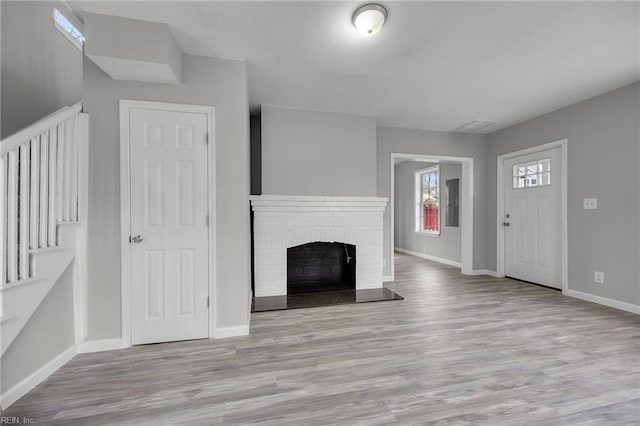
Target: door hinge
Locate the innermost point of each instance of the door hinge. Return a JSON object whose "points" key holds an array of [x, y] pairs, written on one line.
{"points": [[206, 219], [207, 301], [206, 138]]}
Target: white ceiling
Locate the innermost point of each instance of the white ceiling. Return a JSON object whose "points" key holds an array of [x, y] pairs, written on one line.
{"points": [[433, 66]]}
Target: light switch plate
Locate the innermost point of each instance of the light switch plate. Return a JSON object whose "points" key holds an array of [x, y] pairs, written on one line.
{"points": [[598, 277], [590, 203]]}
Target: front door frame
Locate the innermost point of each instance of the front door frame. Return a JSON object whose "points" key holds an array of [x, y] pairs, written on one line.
{"points": [[126, 105], [500, 254]]}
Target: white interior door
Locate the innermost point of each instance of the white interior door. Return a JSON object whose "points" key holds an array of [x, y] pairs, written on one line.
{"points": [[533, 217], [169, 243]]}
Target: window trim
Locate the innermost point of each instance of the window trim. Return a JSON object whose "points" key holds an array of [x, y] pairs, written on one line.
{"points": [[76, 42], [417, 190]]}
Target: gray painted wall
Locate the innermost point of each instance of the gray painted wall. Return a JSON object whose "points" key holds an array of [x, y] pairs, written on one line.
{"points": [[603, 150], [206, 81], [415, 141], [317, 153], [447, 244], [41, 70], [47, 334]]}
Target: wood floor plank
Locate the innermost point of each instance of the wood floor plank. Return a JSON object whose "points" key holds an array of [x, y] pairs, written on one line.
{"points": [[458, 350]]}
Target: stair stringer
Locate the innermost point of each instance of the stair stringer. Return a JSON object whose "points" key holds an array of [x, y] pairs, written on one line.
{"points": [[20, 300]]}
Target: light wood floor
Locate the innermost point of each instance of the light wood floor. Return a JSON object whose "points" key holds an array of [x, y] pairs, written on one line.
{"points": [[457, 350]]}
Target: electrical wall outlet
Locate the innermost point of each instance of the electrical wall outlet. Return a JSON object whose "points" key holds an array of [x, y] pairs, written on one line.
{"points": [[590, 203], [598, 277]]}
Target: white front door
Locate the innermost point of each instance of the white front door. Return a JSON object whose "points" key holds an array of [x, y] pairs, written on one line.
{"points": [[169, 234], [533, 217]]}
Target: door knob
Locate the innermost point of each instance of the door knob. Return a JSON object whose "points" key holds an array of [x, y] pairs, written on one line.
{"points": [[136, 239], [506, 224]]}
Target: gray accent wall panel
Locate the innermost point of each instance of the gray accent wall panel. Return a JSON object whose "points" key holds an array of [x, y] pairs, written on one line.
{"points": [[206, 81], [447, 244], [318, 153], [603, 136], [256, 154]]}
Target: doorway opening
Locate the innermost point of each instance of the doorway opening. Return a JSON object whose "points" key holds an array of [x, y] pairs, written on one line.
{"points": [[431, 217]]}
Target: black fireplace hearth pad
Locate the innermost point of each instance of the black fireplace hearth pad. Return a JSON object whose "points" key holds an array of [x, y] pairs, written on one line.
{"points": [[325, 298]]}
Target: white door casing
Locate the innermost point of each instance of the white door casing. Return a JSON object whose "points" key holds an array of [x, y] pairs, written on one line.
{"points": [[169, 249], [466, 206], [532, 222]]}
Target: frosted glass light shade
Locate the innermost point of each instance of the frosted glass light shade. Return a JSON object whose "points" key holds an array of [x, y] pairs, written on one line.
{"points": [[369, 19]]}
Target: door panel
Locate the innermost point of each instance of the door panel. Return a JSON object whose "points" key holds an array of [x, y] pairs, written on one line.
{"points": [[154, 284], [170, 277], [153, 193], [185, 203], [533, 217], [521, 232], [543, 234], [186, 283]]}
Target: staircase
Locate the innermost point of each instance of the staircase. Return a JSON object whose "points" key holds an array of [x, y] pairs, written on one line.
{"points": [[43, 199]]}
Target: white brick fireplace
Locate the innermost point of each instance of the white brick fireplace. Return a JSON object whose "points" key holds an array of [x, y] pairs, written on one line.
{"points": [[281, 222]]}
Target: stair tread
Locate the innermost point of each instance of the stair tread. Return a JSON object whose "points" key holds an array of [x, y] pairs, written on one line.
{"points": [[47, 249], [65, 223], [25, 281]]}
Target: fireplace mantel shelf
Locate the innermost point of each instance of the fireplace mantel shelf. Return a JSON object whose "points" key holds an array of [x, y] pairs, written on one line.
{"points": [[317, 203]]}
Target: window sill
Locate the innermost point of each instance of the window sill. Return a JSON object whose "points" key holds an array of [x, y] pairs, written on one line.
{"points": [[428, 233]]}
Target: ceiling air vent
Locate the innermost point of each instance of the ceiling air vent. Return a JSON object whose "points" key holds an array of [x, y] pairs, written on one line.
{"points": [[475, 126]]}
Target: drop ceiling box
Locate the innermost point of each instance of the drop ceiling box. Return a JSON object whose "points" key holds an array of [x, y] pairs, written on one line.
{"points": [[130, 49]]}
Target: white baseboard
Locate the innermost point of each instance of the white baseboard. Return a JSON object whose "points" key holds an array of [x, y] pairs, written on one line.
{"points": [[603, 301], [387, 278], [429, 257], [239, 330], [34, 379], [249, 308], [100, 345], [485, 272]]}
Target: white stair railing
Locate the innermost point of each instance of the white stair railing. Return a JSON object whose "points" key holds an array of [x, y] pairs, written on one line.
{"points": [[38, 190]]}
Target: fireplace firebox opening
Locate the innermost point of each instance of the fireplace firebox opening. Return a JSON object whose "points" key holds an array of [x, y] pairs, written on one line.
{"points": [[321, 266]]}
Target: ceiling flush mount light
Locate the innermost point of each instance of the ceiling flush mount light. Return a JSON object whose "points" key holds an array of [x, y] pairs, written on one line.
{"points": [[369, 19]]}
